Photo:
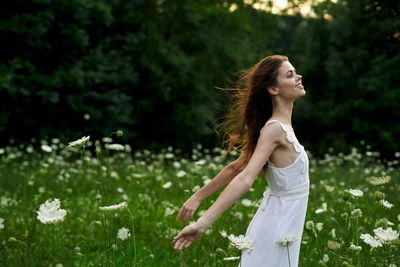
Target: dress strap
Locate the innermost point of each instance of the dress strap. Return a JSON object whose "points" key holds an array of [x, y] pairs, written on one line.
{"points": [[289, 135]]}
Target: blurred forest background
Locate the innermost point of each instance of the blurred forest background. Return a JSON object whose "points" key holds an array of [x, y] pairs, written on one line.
{"points": [[152, 68]]}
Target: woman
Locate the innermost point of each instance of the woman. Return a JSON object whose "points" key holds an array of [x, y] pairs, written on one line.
{"points": [[265, 135]]}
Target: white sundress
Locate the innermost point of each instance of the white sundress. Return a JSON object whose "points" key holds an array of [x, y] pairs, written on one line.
{"points": [[281, 213]]}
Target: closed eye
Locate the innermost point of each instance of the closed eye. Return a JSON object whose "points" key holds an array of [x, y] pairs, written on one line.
{"points": [[290, 72]]}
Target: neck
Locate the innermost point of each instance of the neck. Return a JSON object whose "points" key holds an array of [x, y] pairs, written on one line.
{"points": [[282, 110]]}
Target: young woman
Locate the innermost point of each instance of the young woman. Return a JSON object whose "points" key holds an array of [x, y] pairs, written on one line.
{"points": [[263, 131]]}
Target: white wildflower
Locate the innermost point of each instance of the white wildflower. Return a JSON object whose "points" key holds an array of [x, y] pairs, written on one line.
{"points": [[231, 258], [167, 185], [238, 215], [386, 204], [123, 233], [116, 147], [319, 226], [114, 207], [50, 212], [169, 155], [333, 233], [200, 162], [287, 240], [223, 233], [380, 180], [181, 173], [325, 258], [329, 188], [386, 235], [333, 245], [107, 140], [324, 208], [241, 242], [128, 148], [46, 148], [114, 174], [370, 240], [1, 223], [195, 188], [176, 164], [169, 211], [356, 192], [310, 225], [354, 247], [247, 202], [357, 213], [80, 142]]}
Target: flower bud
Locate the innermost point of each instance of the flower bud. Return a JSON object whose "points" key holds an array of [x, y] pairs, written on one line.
{"points": [[120, 133], [379, 195]]}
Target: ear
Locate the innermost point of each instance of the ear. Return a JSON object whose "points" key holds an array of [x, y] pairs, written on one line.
{"points": [[273, 90]]}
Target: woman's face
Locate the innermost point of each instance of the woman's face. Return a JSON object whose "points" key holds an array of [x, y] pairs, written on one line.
{"points": [[289, 82]]}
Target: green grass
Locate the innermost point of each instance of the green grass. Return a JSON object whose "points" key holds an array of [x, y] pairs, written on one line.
{"points": [[28, 179]]}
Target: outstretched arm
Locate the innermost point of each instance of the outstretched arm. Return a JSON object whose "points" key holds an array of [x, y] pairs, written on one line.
{"points": [[269, 140], [223, 177]]}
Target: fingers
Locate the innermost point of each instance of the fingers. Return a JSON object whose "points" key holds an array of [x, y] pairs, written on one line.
{"points": [[176, 238], [180, 213], [188, 244], [185, 244], [182, 243], [184, 214]]}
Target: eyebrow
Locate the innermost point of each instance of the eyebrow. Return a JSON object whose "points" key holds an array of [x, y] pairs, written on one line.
{"points": [[291, 71]]}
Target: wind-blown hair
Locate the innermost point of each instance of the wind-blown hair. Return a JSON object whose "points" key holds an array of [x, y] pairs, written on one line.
{"points": [[251, 108]]}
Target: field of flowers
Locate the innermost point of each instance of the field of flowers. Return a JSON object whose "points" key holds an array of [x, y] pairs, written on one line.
{"points": [[102, 204]]}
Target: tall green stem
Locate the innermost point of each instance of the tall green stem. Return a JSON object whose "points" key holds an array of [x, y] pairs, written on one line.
{"points": [[103, 222], [133, 234]]}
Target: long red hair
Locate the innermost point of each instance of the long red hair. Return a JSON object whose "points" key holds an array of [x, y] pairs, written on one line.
{"points": [[251, 107]]}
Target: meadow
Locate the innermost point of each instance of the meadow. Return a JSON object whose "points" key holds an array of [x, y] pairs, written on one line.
{"points": [[117, 207]]}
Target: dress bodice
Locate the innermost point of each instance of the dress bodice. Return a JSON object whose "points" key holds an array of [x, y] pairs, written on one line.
{"points": [[291, 180]]}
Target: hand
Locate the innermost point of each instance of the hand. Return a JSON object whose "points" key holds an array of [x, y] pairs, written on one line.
{"points": [[188, 234], [188, 209]]}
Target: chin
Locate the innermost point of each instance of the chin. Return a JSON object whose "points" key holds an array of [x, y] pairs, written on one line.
{"points": [[300, 95]]}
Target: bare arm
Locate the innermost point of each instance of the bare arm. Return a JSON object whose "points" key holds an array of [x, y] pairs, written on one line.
{"points": [[267, 142], [269, 139], [223, 177]]}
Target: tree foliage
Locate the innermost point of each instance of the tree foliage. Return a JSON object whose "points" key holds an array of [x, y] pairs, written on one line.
{"points": [[151, 68]]}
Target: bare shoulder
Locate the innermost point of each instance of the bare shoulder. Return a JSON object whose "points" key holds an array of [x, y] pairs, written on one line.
{"points": [[272, 132]]}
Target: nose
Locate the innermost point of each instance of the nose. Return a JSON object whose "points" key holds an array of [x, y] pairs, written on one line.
{"points": [[299, 76]]}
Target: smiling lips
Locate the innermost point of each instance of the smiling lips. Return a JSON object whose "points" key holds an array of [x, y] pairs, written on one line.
{"points": [[299, 85]]}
